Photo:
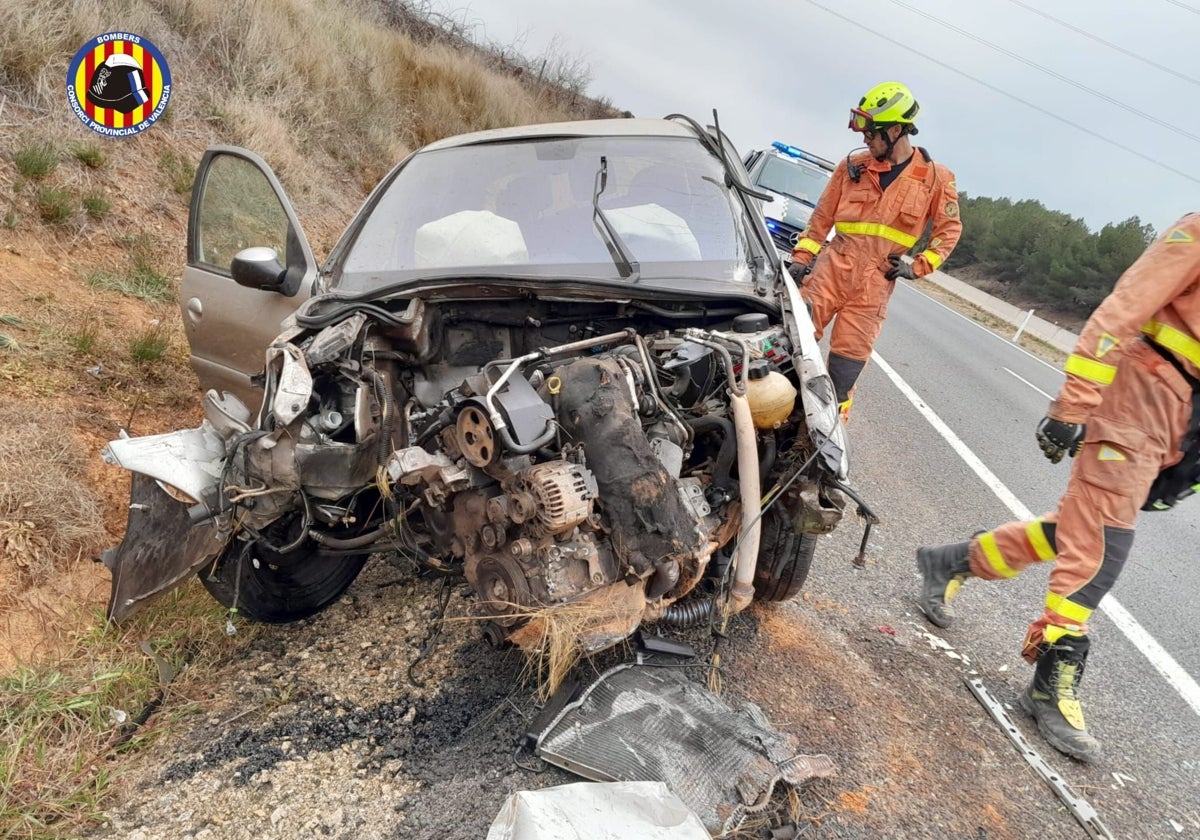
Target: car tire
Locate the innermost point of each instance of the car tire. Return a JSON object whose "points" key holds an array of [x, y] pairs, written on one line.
{"points": [[784, 558], [274, 588]]}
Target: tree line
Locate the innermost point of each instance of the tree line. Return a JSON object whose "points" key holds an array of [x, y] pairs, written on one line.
{"points": [[1044, 257]]}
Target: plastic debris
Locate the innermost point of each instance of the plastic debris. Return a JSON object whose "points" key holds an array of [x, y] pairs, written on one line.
{"points": [[597, 811]]}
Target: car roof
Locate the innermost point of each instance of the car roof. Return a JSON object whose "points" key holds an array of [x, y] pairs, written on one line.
{"points": [[629, 127]]}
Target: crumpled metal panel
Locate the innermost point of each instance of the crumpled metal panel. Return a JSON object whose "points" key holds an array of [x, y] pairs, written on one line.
{"points": [[646, 723], [161, 548]]}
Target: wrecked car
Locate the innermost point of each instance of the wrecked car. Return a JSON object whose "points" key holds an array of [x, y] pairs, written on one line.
{"points": [[560, 362]]}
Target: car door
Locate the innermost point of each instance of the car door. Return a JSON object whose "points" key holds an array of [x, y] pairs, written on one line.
{"points": [[237, 203]]}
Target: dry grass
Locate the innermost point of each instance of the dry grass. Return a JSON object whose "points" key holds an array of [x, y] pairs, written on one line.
{"points": [[62, 726], [49, 517]]}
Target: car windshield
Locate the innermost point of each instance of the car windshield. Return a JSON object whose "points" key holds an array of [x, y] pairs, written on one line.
{"points": [[526, 208], [794, 179]]}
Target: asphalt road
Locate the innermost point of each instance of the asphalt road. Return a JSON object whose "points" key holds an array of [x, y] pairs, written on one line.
{"points": [[991, 394]]}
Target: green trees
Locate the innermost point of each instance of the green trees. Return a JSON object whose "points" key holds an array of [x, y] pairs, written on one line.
{"points": [[1042, 256]]}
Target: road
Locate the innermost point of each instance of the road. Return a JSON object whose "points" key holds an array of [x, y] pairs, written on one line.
{"points": [[990, 395]]}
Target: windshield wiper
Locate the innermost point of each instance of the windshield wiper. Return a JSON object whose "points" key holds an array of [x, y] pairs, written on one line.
{"points": [[627, 266]]}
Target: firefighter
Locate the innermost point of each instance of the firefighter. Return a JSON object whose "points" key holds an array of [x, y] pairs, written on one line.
{"points": [[1128, 413], [878, 202]]}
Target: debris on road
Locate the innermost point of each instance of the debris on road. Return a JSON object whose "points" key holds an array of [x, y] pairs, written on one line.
{"points": [[1080, 808], [646, 723], [597, 811]]}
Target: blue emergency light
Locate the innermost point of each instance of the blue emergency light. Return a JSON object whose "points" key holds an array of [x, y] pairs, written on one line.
{"points": [[793, 151]]}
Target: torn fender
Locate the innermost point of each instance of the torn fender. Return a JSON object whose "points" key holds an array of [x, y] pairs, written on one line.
{"points": [[161, 549]]}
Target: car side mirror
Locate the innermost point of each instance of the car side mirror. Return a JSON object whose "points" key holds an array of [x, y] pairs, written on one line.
{"points": [[258, 268]]}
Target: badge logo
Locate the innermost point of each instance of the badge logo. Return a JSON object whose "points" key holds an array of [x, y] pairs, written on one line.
{"points": [[118, 84]]}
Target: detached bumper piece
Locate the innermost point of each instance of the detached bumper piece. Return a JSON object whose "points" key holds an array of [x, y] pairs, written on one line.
{"points": [[646, 723]]}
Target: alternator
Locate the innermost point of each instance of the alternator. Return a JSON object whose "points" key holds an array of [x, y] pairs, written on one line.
{"points": [[563, 493]]}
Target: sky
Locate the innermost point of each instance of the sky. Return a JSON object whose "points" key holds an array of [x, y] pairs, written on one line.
{"points": [[791, 70]]}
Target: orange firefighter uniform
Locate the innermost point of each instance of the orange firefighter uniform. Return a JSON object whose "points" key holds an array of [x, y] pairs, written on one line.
{"points": [[870, 224], [1128, 382]]}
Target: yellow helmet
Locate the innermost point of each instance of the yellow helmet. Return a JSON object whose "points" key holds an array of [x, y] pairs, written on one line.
{"points": [[890, 103]]}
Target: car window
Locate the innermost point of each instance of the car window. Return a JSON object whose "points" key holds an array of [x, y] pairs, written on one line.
{"points": [[793, 179], [526, 207], [239, 209]]}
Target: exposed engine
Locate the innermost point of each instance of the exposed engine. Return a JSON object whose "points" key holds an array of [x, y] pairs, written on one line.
{"points": [[546, 459]]}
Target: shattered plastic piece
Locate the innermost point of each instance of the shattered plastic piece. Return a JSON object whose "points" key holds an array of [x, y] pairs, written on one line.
{"points": [[1002, 668], [1178, 828], [597, 811], [117, 717], [885, 629], [641, 723], [95, 370]]}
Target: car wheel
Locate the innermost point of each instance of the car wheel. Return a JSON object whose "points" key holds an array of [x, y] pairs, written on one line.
{"points": [[275, 588], [784, 558]]}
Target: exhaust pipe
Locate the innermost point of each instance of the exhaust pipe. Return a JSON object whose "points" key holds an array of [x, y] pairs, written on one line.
{"points": [[746, 559]]}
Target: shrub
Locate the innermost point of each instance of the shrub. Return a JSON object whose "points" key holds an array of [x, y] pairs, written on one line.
{"points": [[54, 205], [90, 155], [150, 344], [96, 205], [36, 161]]}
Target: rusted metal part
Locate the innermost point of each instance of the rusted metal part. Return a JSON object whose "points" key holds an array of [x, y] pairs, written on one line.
{"points": [[641, 502]]}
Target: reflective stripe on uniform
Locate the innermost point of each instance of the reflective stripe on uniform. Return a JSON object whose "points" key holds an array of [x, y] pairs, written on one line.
{"points": [[810, 245], [995, 559], [875, 229], [1067, 609], [1037, 538], [934, 259], [1089, 369], [1173, 339]]}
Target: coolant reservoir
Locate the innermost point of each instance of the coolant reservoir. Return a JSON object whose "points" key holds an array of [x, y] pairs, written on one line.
{"points": [[770, 394]]}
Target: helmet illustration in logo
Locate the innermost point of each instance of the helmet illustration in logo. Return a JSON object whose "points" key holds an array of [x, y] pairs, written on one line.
{"points": [[118, 84]]}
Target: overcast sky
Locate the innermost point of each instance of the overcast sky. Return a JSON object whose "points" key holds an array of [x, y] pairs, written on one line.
{"points": [[790, 70]]}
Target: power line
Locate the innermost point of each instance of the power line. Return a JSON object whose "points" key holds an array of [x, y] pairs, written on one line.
{"points": [[1191, 9], [1066, 79], [859, 25], [1109, 44]]}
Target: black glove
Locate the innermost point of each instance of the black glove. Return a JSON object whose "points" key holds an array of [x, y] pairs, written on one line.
{"points": [[899, 269], [799, 270], [1057, 438]]}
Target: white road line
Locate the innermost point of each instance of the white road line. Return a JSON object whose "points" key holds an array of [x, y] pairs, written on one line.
{"points": [[1163, 662], [1030, 384], [975, 323]]}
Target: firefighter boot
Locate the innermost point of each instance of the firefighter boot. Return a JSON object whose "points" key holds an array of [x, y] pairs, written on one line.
{"points": [[1051, 698], [944, 568]]}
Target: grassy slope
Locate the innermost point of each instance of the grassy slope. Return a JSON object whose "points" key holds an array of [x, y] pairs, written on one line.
{"points": [[332, 93]]}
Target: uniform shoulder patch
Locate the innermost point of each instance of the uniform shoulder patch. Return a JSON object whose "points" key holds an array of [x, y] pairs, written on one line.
{"points": [[951, 209], [1106, 343], [1179, 235]]}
